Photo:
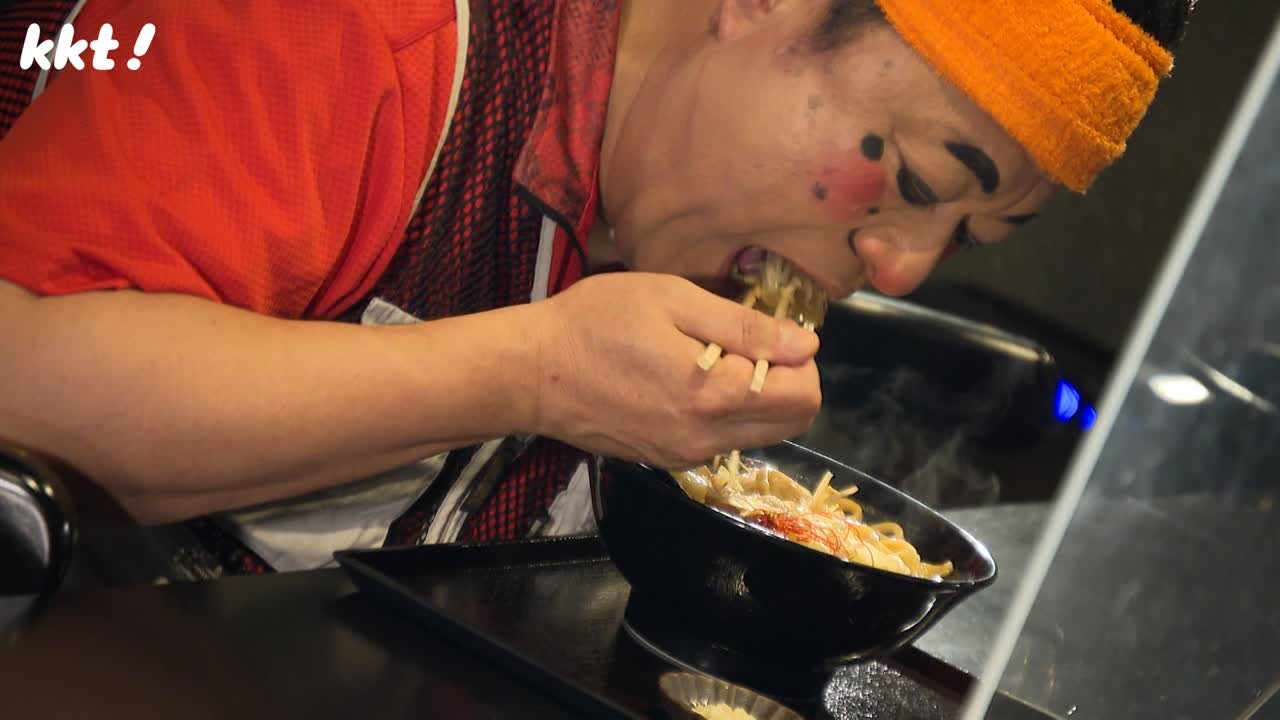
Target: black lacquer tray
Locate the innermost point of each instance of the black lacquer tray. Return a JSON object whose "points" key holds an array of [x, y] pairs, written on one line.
{"points": [[555, 613]]}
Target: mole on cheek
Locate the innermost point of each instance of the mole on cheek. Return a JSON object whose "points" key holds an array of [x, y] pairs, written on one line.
{"points": [[873, 147], [819, 192]]}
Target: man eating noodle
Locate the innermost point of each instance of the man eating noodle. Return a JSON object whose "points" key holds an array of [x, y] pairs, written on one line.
{"points": [[327, 275]]}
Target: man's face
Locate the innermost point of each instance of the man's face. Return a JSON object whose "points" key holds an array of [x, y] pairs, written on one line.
{"points": [[859, 164]]}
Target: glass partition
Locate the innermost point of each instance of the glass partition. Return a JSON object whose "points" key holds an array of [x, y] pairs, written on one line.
{"points": [[1154, 589]]}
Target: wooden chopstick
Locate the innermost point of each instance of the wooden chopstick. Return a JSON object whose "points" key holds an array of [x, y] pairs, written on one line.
{"points": [[780, 312], [711, 355]]}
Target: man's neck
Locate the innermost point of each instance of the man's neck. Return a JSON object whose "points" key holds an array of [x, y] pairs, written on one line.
{"points": [[648, 30]]}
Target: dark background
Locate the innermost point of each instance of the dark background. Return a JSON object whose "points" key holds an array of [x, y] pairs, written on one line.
{"points": [[1086, 264]]}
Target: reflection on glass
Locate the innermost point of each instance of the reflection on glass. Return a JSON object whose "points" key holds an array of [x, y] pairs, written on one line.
{"points": [[1178, 389]]}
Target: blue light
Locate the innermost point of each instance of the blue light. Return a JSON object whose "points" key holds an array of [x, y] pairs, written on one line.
{"points": [[1066, 401], [1088, 417]]}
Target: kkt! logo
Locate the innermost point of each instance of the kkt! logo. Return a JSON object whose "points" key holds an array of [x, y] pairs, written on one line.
{"points": [[67, 50]]}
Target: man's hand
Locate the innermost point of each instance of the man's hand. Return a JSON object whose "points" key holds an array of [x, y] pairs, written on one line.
{"points": [[618, 372]]}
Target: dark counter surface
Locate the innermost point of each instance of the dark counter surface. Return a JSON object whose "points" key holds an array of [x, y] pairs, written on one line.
{"points": [[308, 645], [291, 645]]}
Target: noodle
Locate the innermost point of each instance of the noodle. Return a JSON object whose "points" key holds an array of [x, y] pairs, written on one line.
{"points": [[784, 291], [827, 520], [721, 711], [775, 288]]}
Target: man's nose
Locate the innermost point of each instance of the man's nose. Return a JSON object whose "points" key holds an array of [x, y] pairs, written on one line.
{"points": [[898, 264]]}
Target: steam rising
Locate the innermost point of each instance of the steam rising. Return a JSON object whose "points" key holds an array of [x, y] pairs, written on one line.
{"points": [[910, 432]]}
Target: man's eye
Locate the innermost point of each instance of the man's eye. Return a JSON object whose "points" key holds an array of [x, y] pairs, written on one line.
{"points": [[963, 237], [914, 190]]}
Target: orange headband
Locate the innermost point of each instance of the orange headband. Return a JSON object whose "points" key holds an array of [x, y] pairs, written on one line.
{"points": [[1068, 79]]}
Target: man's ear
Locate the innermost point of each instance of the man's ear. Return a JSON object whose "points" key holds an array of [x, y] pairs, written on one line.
{"points": [[734, 18]]}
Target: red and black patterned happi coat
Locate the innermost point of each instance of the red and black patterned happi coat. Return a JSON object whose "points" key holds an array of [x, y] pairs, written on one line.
{"points": [[518, 170], [502, 220]]}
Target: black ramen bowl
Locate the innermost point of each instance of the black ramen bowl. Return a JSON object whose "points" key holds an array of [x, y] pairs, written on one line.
{"points": [[720, 595]]}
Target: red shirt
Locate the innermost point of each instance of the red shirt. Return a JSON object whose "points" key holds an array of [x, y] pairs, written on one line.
{"points": [[265, 155], [280, 176]]}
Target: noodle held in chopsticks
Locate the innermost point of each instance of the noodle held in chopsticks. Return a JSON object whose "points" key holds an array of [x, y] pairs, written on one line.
{"points": [[826, 519], [776, 288]]}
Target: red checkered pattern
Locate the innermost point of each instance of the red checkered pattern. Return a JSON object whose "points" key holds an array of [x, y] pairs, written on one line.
{"points": [[16, 84], [561, 160], [525, 140], [524, 495], [473, 243]]}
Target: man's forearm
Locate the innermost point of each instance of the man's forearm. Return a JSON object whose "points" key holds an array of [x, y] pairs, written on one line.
{"points": [[179, 406]]}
